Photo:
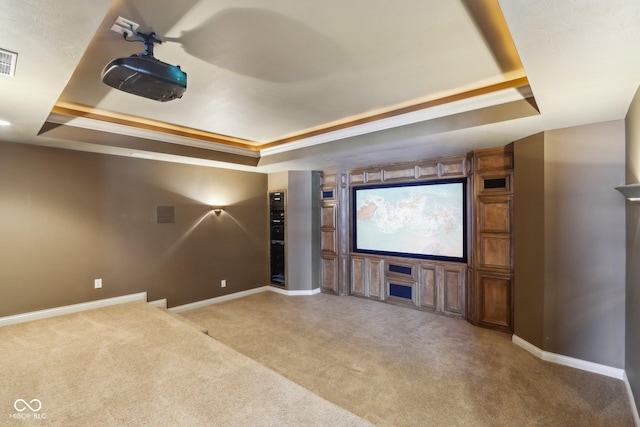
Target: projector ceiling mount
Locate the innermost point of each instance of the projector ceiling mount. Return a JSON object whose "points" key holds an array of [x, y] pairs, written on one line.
{"points": [[142, 74], [149, 40]]}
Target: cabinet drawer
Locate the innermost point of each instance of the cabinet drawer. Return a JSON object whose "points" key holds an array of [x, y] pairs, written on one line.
{"points": [[401, 269], [401, 291]]}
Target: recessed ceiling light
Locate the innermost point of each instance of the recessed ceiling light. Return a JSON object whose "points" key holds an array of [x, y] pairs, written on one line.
{"points": [[4, 123]]}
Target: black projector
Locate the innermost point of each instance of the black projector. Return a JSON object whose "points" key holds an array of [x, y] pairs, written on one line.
{"points": [[144, 75]]}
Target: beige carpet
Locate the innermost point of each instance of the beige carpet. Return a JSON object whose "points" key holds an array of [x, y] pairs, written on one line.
{"points": [[400, 367], [135, 365]]}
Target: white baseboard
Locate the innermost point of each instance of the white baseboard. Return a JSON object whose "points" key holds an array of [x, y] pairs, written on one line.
{"points": [[67, 309], [217, 300], [294, 293], [632, 402], [568, 361], [597, 368], [160, 303], [142, 296], [527, 346]]}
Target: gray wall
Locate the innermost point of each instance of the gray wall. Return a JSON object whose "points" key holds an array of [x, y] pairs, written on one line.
{"points": [[584, 294], [70, 217], [633, 251], [569, 243], [302, 234], [302, 227]]}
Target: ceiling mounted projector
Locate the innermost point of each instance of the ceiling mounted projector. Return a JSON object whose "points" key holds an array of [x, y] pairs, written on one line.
{"points": [[143, 75]]}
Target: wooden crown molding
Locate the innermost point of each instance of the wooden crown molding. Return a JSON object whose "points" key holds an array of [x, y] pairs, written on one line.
{"points": [[74, 110], [515, 83]]}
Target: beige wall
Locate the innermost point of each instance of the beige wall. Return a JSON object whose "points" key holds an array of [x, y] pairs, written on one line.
{"points": [[529, 239], [71, 217], [633, 250]]}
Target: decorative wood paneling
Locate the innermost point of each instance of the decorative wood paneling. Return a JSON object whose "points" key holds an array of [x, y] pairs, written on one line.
{"points": [[329, 215], [328, 241], [445, 167], [373, 176], [490, 284], [356, 178], [428, 170], [343, 235], [375, 276], [453, 295], [358, 277], [494, 214], [367, 277], [428, 287], [329, 179], [494, 159], [399, 174], [471, 299], [435, 286], [495, 252], [453, 168], [329, 273], [329, 210], [440, 286], [495, 292]]}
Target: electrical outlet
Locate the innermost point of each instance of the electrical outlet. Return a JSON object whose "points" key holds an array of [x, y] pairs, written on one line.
{"points": [[223, 283], [97, 284]]}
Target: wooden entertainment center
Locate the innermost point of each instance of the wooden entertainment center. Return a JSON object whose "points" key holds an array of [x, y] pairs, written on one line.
{"points": [[480, 290]]}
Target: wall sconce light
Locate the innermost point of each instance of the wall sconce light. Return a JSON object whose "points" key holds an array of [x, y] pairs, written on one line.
{"points": [[631, 192], [217, 209]]}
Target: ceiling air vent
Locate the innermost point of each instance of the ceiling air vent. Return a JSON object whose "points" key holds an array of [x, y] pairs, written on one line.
{"points": [[7, 63]]}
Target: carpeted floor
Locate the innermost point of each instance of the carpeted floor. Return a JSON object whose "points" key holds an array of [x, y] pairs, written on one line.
{"points": [[400, 367], [135, 365]]}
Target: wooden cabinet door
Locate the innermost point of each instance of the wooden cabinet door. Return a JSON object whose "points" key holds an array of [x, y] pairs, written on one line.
{"points": [[490, 286], [494, 249], [495, 298], [358, 276], [453, 290], [329, 279], [367, 277], [442, 288], [428, 286], [494, 214], [375, 273], [329, 273]]}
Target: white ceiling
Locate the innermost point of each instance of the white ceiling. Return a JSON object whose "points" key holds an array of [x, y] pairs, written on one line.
{"points": [[301, 84]]}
